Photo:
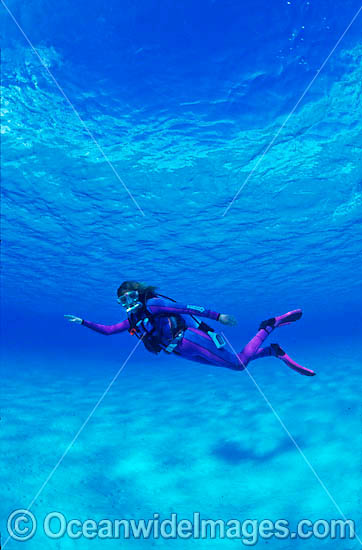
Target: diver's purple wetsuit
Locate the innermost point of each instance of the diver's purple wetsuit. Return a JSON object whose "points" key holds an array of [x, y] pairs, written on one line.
{"points": [[195, 344]]}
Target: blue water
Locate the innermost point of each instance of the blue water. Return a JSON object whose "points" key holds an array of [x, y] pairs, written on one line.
{"points": [[181, 100]]}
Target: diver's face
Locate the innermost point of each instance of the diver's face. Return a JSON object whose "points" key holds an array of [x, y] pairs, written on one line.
{"points": [[128, 299]]}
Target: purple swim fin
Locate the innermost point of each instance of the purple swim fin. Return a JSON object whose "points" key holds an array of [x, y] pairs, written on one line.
{"points": [[288, 318], [280, 353], [281, 320]]}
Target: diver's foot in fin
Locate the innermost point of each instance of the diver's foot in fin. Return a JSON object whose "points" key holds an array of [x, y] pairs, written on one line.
{"points": [[268, 324], [280, 353], [277, 351], [281, 320]]}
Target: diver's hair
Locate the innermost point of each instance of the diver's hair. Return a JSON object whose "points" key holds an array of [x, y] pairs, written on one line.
{"points": [[145, 291]]}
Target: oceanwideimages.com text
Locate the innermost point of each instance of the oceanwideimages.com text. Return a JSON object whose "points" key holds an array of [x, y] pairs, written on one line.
{"points": [[23, 525]]}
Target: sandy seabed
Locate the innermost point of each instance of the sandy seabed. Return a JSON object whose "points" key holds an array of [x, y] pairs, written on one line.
{"points": [[178, 437]]}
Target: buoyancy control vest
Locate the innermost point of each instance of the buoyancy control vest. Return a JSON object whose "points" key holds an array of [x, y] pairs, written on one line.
{"points": [[143, 324]]}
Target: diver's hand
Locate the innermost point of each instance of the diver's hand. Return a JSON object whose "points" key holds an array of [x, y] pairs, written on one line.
{"points": [[227, 319], [74, 319]]}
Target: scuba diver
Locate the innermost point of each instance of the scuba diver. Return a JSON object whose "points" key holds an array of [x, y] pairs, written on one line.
{"points": [[166, 325]]}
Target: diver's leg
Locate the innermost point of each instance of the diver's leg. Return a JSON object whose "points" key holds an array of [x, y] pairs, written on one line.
{"points": [[266, 328], [262, 352], [196, 345], [252, 347]]}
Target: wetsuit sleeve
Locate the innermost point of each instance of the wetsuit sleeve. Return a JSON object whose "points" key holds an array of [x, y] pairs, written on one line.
{"points": [[157, 306], [107, 329]]}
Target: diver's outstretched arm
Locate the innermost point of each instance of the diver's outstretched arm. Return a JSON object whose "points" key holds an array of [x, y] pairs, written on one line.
{"points": [[103, 329], [159, 306]]}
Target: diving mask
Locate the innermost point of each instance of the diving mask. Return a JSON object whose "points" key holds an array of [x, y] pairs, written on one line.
{"points": [[129, 300]]}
